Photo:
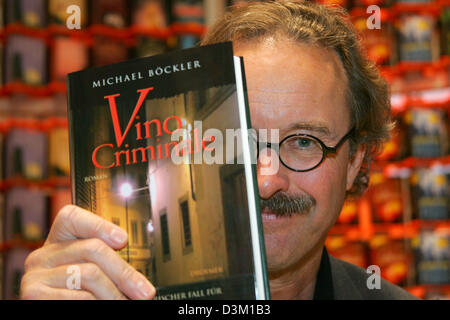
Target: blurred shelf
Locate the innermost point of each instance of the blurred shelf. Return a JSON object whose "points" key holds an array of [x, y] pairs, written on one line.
{"points": [[443, 225], [33, 123], [91, 31], [421, 290], [431, 8], [403, 67], [188, 28], [425, 95], [29, 90], [395, 230], [385, 13], [391, 13], [59, 30], [431, 98], [351, 232], [53, 182], [19, 243], [158, 33], [403, 168], [411, 229], [49, 89], [57, 87], [16, 28]]}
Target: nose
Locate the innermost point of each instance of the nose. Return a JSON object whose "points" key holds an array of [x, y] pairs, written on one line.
{"points": [[270, 181]]}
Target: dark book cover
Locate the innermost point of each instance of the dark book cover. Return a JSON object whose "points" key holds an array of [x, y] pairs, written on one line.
{"points": [[159, 147]]}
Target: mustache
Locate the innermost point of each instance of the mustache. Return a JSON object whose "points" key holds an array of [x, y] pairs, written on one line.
{"points": [[282, 204]]}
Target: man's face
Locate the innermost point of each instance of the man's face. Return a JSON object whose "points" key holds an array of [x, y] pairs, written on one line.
{"points": [[299, 89]]}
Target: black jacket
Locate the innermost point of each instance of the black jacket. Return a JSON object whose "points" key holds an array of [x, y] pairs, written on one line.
{"points": [[339, 280]]}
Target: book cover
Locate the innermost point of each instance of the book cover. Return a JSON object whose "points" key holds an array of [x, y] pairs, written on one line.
{"points": [[159, 146]]}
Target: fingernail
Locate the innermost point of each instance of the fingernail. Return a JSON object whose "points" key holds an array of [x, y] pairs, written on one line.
{"points": [[145, 289], [118, 236]]}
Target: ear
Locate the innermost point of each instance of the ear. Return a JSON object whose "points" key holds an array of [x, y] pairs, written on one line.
{"points": [[354, 165]]}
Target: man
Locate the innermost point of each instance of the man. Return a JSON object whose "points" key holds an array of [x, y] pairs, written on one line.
{"points": [[306, 77]]}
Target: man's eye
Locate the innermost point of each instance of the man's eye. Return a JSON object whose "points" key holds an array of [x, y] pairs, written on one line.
{"points": [[303, 143]]}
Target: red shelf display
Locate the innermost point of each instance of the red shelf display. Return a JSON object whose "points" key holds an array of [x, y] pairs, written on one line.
{"points": [[103, 30], [18, 243]]}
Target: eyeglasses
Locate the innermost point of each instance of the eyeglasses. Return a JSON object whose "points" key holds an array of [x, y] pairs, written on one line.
{"points": [[302, 152]]}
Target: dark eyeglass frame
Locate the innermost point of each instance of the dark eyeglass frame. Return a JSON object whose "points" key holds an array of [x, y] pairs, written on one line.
{"points": [[326, 150]]}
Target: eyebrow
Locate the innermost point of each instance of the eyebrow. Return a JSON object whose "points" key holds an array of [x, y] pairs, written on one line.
{"points": [[317, 127]]}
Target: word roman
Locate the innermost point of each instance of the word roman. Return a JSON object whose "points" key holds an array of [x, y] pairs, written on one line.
{"points": [[95, 178]]}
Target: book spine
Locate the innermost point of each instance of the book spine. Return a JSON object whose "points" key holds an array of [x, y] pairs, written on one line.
{"points": [[259, 256], [70, 106]]}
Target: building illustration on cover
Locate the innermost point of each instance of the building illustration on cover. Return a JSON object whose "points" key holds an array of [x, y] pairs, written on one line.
{"points": [[202, 191]]}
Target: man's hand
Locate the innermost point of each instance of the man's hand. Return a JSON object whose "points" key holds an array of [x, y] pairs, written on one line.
{"points": [[82, 239]]}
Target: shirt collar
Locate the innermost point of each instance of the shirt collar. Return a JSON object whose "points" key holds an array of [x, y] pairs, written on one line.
{"points": [[324, 289]]}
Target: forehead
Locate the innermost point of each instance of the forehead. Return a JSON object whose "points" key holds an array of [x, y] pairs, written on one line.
{"points": [[291, 83]]}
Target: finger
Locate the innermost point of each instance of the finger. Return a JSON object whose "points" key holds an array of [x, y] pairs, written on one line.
{"points": [[132, 283], [73, 222], [41, 292], [85, 276]]}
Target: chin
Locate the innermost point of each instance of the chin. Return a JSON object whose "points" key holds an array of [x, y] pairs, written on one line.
{"points": [[278, 265], [283, 253]]}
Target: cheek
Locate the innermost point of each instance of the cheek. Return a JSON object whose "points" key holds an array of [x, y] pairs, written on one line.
{"points": [[326, 185]]}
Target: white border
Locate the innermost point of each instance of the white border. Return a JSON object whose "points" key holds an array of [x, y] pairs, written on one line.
{"points": [[259, 281]]}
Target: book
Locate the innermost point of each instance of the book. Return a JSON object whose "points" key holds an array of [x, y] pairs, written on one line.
{"points": [[160, 146], [26, 214]]}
